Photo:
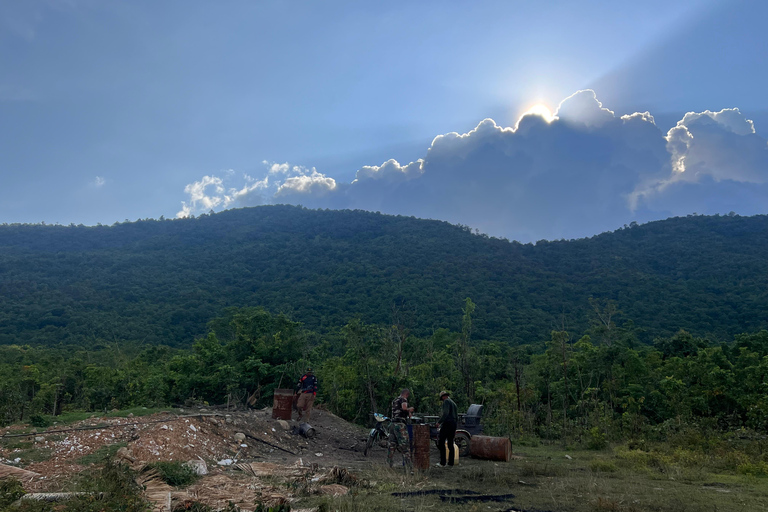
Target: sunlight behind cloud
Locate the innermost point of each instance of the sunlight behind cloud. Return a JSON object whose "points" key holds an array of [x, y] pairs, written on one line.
{"points": [[538, 109]]}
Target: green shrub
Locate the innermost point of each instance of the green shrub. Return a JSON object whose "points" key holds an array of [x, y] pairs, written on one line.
{"points": [[10, 491], [39, 421], [603, 466], [175, 473], [753, 469], [596, 439]]}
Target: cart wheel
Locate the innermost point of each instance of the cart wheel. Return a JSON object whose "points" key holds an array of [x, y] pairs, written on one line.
{"points": [[462, 441]]}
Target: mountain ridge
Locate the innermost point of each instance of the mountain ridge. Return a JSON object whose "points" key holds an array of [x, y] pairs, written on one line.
{"points": [[161, 281]]}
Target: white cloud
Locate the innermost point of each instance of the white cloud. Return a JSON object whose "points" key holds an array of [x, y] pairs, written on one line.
{"points": [[584, 107], [315, 184], [710, 147], [580, 172], [99, 182], [204, 195]]}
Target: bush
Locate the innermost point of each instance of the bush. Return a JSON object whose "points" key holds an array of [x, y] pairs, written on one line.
{"points": [[10, 491], [39, 421], [596, 439], [603, 466], [175, 473], [753, 469]]}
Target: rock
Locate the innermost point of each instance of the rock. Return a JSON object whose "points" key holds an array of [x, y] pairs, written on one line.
{"points": [[130, 415], [228, 418], [284, 424], [39, 439], [568, 457], [318, 454], [239, 437], [225, 462], [198, 466]]}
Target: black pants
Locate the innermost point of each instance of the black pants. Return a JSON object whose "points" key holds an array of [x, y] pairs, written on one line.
{"points": [[447, 433]]}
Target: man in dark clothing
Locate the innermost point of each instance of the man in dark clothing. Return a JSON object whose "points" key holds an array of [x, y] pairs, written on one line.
{"points": [[398, 437], [307, 389], [447, 424]]}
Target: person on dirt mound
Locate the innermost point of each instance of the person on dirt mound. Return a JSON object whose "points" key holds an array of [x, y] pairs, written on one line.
{"points": [[398, 437], [306, 391]]}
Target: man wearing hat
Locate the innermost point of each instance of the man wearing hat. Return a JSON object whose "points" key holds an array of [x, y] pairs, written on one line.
{"points": [[447, 424], [307, 389]]}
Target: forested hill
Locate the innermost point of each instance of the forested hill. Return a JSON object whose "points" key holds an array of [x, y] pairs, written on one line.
{"points": [[160, 281]]}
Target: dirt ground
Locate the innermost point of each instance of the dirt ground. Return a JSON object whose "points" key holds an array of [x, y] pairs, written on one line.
{"points": [[238, 449]]}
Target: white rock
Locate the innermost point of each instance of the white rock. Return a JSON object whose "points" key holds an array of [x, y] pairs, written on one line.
{"points": [[568, 457], [198, 466], [39, 439], [225, 462], [239, 437], [318, 454]]}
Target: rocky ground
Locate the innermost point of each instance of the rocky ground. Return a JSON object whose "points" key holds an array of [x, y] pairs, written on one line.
{"points": [[236, 450]]}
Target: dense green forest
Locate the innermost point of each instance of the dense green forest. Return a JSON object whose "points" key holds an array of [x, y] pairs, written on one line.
{"points": [[593, 387], [162, 281]]}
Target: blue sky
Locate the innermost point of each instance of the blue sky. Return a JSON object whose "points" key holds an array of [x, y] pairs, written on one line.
{"points": [[125, 110]]}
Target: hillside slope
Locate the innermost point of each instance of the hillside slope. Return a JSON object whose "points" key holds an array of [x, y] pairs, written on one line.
{"points": [[161, 281]]}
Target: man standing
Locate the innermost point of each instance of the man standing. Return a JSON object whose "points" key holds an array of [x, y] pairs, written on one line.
{"points": [[398, 438], [447, 425], [307, 389]]}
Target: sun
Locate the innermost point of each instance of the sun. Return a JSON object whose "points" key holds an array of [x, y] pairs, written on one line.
{"points": [[539, 109]]}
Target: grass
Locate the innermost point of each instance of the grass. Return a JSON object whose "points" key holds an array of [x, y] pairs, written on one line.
{"points": [[101, 455], [546, 480], [69, 417]]}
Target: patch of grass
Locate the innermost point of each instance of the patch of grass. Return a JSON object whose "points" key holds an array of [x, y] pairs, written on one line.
{"points": [[175, 473], [103, 454], [18, 443], [603, 466], [137, 411], [66, 418], [33, 455], [542, 469]]}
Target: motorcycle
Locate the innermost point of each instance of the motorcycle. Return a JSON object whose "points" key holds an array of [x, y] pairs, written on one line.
{"points": [[379, 433]]}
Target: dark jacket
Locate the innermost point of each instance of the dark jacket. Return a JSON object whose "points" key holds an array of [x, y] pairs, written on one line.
{"points": [[308, 384], [450, 412]]}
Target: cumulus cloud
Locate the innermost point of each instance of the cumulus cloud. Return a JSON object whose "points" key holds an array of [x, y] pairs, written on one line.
{"points": [[577, 173], [99, 182], [708, 148], [231, 189]]}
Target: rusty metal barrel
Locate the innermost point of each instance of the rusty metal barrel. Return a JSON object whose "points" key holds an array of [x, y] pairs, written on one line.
{"points": [[282, 404], [490, 448], [421, 447]]}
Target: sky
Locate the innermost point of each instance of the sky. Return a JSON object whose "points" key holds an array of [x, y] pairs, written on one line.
{"points": [[524, 120]]}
